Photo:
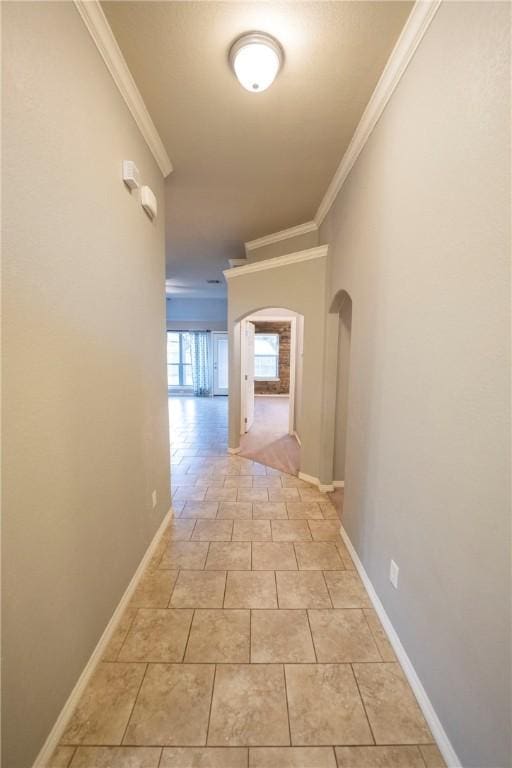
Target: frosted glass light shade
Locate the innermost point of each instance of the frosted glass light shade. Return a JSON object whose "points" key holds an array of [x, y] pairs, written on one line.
{"points": [[256, 59]]}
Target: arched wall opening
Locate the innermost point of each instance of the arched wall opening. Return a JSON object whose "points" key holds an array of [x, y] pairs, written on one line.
{"points": [[271, 345]]}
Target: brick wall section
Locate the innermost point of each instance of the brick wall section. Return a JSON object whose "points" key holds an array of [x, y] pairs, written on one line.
{"points": [[281, 387]]}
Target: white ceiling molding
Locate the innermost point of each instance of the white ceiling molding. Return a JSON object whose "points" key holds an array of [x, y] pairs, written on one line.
{"points": [[415, 27], [237, 262], [284, 234], [100, 31], [277, 261]]}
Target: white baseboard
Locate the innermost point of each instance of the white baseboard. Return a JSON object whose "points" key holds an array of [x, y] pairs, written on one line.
{"points": [[438, 732], [234, 450], [295, 435], [338, 483], [316, 481], [55, 735]]}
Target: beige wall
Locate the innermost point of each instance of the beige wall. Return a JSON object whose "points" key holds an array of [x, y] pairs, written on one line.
{"points": [[84, 390], [303, 286], [420, 238], [283, 247]]}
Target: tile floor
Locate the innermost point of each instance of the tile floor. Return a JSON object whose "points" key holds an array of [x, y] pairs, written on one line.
{"points": [[250, 640]]}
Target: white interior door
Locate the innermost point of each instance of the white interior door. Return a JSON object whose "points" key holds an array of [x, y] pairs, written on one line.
{"points": [[248, 375], [220, 364]]}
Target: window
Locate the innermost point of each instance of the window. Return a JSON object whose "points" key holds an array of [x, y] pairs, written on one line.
{"points": [[179, 359], [266, 356]]}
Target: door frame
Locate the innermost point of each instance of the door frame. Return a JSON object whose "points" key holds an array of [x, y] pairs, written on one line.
{"points": [[215, 335], [254, 318]]}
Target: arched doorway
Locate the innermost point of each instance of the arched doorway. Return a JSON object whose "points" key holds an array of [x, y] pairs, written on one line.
{"points": [[271, 342]]}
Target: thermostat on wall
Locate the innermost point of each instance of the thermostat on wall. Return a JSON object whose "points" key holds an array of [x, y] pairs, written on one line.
{"points": [[131, 176], [148, 201]]}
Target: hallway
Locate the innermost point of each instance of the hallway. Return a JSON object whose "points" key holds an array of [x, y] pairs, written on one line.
{"points": [[250, 640]]}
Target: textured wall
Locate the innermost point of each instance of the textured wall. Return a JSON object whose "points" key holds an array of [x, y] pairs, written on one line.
{"points": [[85, 432], [420, 239], [281, 387]]}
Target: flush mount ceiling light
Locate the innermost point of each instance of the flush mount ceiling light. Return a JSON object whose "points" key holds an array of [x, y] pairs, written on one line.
{"points": [[256, 58]]}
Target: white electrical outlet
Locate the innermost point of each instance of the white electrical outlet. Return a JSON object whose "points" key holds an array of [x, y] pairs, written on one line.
{"points": [[153, 498], [393, 574]]}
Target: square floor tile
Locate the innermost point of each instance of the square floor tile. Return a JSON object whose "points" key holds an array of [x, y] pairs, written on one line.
{"points": [[250, 589], [234, 510], [318, 556], [290, 481], [380, 637], [189, 493], [345, 556], [283, 494], [303, 510], [312, 494], [346, 589], [342, 636], [273, 556], [185, 554], [325, 706], [202, 509], [229, 556], [379, 757], [392, 710], [157, 634], [432, 756], [302, 589], [180, 530], [266, 481], [252, 494], [210, 482], [325, 530], [328, 510], [213, 530], [116, 757], [269, 510], [219, 636], [290, 530], [251, 530], [249, 706], [61, 757], [105, 706], [199, 589], [172, 706], [154, 589], [238, 481], [292, 757], [204, 757], [118, 637], [221, 494], [281, 636]]}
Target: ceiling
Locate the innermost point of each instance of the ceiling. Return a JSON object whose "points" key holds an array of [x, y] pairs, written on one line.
{"points": [[246, 164]]}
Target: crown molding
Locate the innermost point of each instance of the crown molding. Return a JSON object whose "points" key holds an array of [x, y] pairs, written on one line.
{"points": [[414, 29], [237, 262], [284, 234], [100, 31], [278, 261]]}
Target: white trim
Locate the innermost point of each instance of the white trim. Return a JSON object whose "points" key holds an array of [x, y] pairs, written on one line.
{"points": [[100, 31], [278, 261], [438, 732], [67, 710], [264, 394], [234, 450], [295, 435], [338, 483], [414, 29], [237, 262], [284, 234], [315, 481], [256, 318]]}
